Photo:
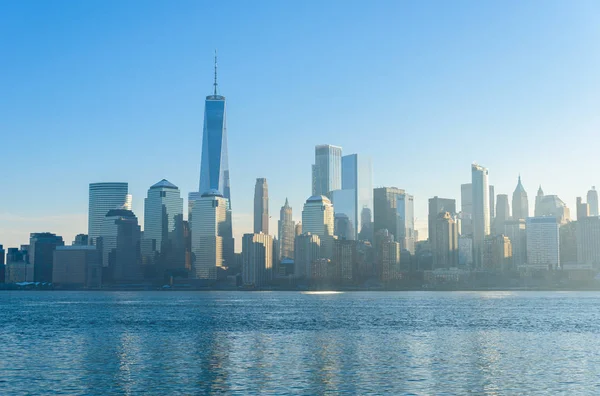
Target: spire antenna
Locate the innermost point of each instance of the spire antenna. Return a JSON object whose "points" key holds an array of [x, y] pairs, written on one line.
{"points": [[215, 83]]}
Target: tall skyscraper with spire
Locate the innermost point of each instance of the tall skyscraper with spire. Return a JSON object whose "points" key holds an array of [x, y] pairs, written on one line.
{"points": [[214, 167], [520, 204], [261, 206]]}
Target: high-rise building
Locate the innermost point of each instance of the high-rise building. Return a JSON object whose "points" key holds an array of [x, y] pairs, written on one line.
{"points": [[465, 251], [121, 244], [344, 203], [492, 206], [214, 166], [2, 266], [344, 260], [405, 231], [41, 254], [592, 200], [583, 209], [261, 206], [257, 259], [298, 228], [317, 219], [520, 204], [466, 208], [497, 253], [208, 228], [366, 230], [502, 213], [80, 240], [436, 206], [327, 169], [481, 211], [77, 266], [307, 249], [163, 224], [543, 241], [444, 241], [385, 209], [515, 230], [357, 175], [390, 260], [568, 243], [18, 267], [286, 232], [588, 241], [551, 205], [105, 197]]}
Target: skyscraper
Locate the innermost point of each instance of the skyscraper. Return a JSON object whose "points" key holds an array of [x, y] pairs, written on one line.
{"points": [[357, 175], [327, 169], [163, 222], [214, 166], [208, 228], [520, 204], [41, 254], [502, 213], [405, 227], [592, 200], [588, 241], [543, 242], [481, 211], [307, 249], [492, 207], [104, 197], [466, 208], [583, 209], [344, 203], [385, 209], [317, 219], [444, 237], [286, 232], [124, 255], [257, 258], [261, 206], [436, 206]]}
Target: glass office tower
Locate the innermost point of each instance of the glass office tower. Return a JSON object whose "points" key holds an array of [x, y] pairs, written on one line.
{"points": [[357, 175]]}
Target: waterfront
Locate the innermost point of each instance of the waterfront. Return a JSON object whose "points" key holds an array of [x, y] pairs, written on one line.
{"points": [[309, 343]]}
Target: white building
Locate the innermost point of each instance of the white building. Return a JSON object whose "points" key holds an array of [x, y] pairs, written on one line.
{"points": [[210, 220], [317, 219], [257, 259], [102, 198], [481, 211], [543, 242]]}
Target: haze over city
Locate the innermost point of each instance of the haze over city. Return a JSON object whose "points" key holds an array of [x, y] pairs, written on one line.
{"points": [[88, 98]]}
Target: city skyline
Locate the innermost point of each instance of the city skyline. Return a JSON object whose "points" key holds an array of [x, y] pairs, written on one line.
{"points": [[132, 125]]}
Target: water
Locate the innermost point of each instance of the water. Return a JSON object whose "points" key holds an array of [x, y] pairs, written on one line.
{"points": [[358, 343]]}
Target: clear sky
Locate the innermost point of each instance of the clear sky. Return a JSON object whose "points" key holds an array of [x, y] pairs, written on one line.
{"points": [[96, 91]]}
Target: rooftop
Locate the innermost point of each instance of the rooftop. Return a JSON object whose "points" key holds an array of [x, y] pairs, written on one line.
{"points": [[164, 183]]}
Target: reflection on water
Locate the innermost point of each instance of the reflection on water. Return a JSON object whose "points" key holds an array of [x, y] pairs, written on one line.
{"points": [[199, 343]]}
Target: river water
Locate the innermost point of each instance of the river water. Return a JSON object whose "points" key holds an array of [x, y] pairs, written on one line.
{"points": [[285, 342]]}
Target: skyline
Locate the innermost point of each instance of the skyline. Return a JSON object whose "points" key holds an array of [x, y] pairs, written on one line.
{"points": [[65, 105]]}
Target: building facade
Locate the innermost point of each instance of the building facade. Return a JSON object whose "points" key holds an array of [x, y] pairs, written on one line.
{"points": [[327, 169], [307, 249], [286, 232], [385, 209], [520, 204], [77, 266], [592, 200], [444, 241], [405, 226], [257, 257], [481, 211], [543, 242], [588, 241], [102, 198], [41, 254], [318, 219], [261, 206]]}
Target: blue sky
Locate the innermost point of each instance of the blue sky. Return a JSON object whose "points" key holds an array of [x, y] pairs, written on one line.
{"points": [[113, 91]]}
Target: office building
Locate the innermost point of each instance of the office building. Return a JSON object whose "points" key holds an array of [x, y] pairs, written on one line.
{"points": [[41, 254], [366, 230], [481, 211], [502, 213], [592, 200], [444, 241], [261, 206], [357, 176], [497, 253], [163, 226], [588, 241], [465, 251], [405, 232], [317, 219], [344, 260], [466, 208], [104, 197], [18, 269], [543, 241], [390, 260], [208, 229], [385, 209], [551, 205], [121, 244], [436, 206], [307, 249], [257, 257], [345, 213], [77, 266], [515, 230], [327, 169], [492, 206], [520, 204], [286, 232], [583, 209], [214, 165]]}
